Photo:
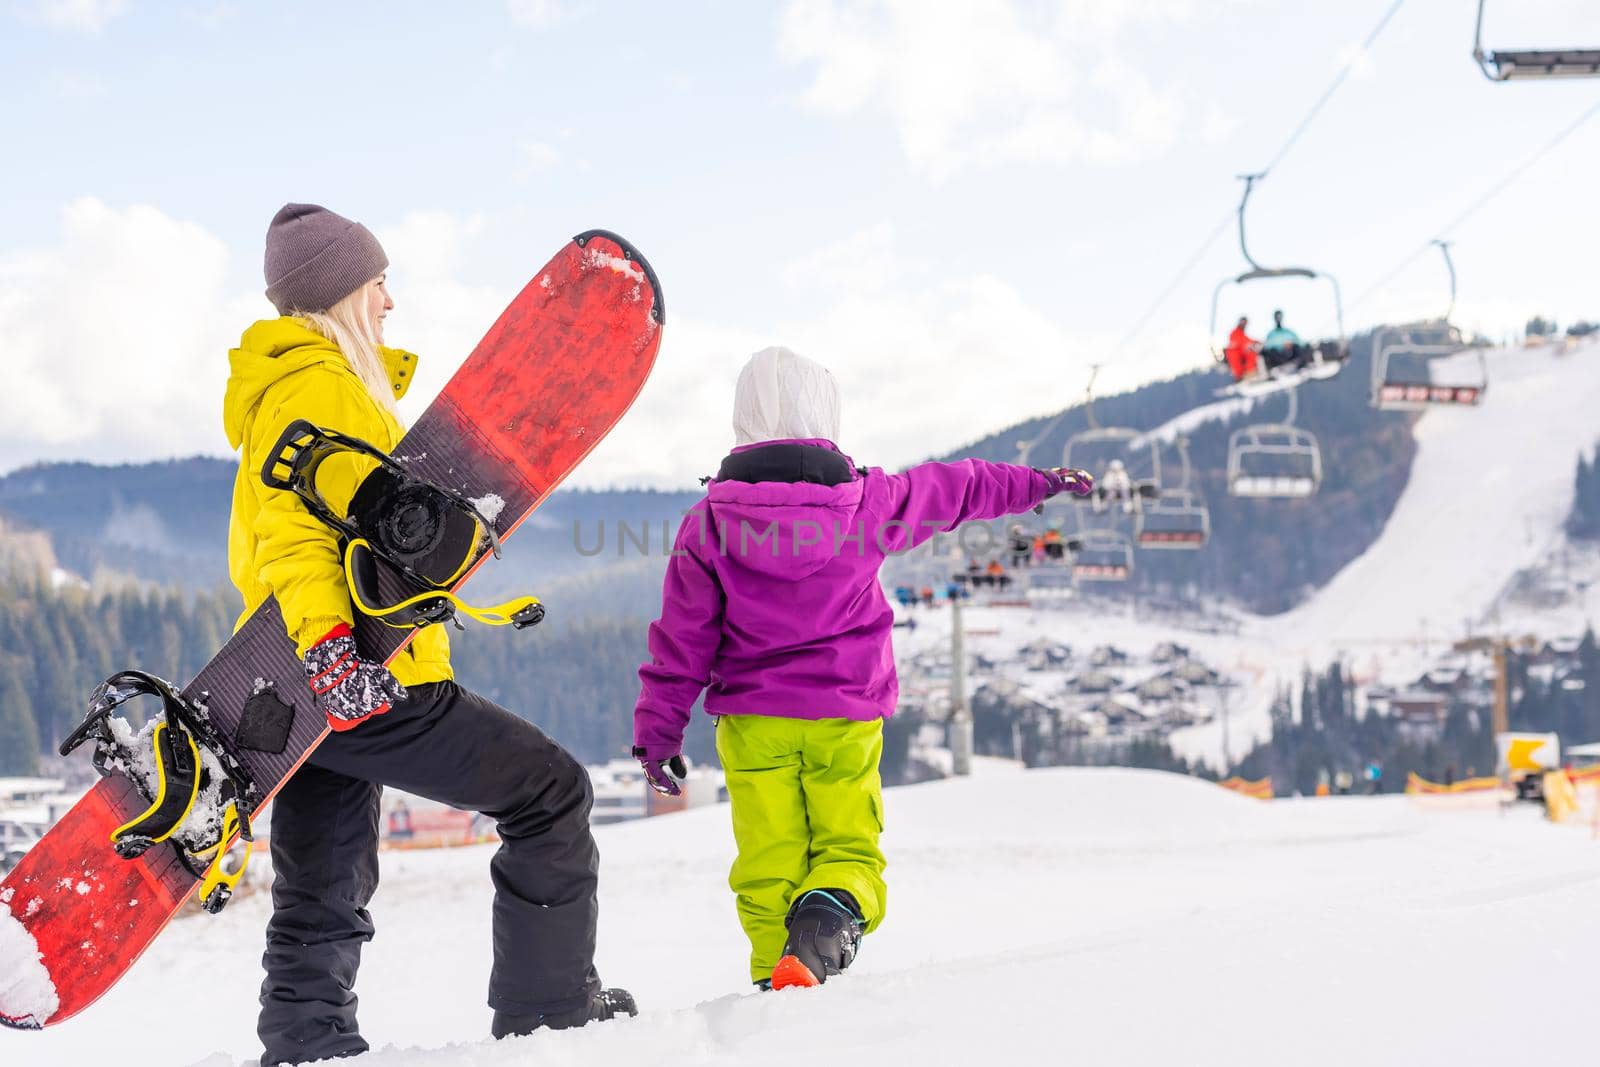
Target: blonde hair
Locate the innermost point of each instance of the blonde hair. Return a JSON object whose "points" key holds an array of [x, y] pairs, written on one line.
{"points": [[348, 326]]}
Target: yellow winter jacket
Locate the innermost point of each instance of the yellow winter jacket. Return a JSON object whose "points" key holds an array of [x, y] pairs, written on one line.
{"points": [[282, 371]]}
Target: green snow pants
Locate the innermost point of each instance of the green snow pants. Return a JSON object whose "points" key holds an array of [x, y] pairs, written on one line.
{"points": [[807, 811]]}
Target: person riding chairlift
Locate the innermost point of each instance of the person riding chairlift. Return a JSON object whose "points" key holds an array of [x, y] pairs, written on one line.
{"points": [[1021, 546], [1055, 548], [1241, 351], [1282, 345], [1117, 486]]}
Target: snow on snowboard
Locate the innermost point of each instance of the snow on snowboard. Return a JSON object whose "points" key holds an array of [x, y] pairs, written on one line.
{"points": [[549, 380]]}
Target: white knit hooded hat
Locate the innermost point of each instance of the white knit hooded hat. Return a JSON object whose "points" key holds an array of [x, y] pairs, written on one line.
{"points": [[782, 395]]}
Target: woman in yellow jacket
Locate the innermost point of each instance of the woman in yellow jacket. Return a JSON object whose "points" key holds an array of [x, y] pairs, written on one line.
{"points": [[408, 725]]}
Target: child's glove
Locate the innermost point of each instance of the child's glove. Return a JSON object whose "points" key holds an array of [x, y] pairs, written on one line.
{"points": [[1068, 480], [663, 774], [349, 689]]}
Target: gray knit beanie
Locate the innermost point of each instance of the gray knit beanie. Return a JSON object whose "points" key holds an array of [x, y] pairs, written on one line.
{"points": [[316, 258]]}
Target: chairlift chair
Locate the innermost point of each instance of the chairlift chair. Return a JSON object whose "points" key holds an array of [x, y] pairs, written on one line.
{"points": [[1404, 371], [1103, 556], [1404, 360], [1274, 460], [1047, 581], [1175, 519], [1323, 360], [1533, 63]]}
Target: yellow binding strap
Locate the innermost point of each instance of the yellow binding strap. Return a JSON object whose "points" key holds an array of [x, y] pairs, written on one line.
{"points": [[494, 615], [216, 875], [161, 786]]}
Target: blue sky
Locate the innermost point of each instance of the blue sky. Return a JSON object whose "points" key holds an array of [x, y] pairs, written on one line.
{"points": [[957, 206]]}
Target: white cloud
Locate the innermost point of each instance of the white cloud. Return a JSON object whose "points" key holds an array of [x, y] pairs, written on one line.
{"points": [[536, 157], [77, 86], [536, 14], [436, 315], [79, 16], [991, 82], [926, 366], [682, 423], [213, 15], [116, 338], [866, 261], [1358, 59]]}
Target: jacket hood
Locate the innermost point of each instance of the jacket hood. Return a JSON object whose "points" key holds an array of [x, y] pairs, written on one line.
{"points": [[273, 349], [784, 528], [781, 396]]}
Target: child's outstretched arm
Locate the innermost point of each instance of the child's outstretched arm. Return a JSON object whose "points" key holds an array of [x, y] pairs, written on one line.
{"points": [[935, 498], [683, 644]]}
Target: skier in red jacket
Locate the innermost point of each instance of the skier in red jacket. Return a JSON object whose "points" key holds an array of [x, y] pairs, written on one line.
{"points": [[1241, 351]]}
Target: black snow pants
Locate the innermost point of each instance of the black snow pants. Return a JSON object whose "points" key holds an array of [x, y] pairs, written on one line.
{"points": [[452, 746]]}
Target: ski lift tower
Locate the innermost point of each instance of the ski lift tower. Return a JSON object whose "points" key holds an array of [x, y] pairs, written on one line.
{"points": [[960, 732]]}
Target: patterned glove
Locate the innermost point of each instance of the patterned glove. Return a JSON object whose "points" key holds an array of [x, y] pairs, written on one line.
{"points": [[1067, 480], [663, 774], [348, 688]]}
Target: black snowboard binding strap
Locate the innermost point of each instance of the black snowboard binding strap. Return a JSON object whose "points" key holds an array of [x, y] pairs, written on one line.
{"points": [[180, 776], [429, 535], [177, 761]]}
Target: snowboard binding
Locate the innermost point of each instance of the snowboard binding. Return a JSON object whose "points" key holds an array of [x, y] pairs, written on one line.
{"points": [[199, 794], [427, 535]]}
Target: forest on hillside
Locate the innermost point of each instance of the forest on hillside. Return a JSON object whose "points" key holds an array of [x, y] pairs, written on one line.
{"points": [[576, 681]]}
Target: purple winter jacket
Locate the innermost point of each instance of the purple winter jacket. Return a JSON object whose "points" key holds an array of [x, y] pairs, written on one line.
{"points": [[772, 602]]}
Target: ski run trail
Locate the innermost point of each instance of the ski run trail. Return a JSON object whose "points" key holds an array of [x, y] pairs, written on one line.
{"points": [[1047, 916]]}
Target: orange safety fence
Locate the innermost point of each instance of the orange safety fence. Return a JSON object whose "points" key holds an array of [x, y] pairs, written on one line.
{"points": [[1416, 784], [1260, 790]]}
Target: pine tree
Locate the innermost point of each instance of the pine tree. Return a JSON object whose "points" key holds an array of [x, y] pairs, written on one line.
{"points": [[19, 739]]}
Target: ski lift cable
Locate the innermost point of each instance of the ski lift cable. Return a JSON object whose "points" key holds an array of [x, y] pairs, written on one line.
{"points": [[1229, 219], [1025, 448], [1483, 201], [1333, 88], [1226, 222]]}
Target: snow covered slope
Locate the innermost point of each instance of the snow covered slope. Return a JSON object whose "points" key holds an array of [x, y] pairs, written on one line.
{"points": [[1488, 495], [1489, 491], [1089, 916]]}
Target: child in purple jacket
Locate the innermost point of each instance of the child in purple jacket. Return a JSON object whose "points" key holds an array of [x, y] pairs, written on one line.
{"points": [[772, 606]]}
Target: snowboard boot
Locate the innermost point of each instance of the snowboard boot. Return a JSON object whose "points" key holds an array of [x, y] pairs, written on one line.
{"points": [[824, 931], [606, 1005]]}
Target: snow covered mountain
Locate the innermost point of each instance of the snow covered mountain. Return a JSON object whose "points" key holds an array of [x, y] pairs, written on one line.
{"points": [[1096, 916]]}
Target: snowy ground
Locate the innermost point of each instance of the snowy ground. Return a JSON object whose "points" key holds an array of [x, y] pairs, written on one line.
{"points": [[1065, 915]]}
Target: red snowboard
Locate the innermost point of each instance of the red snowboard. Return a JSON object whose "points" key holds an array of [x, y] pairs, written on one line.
{"points": [[551, 378]]}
